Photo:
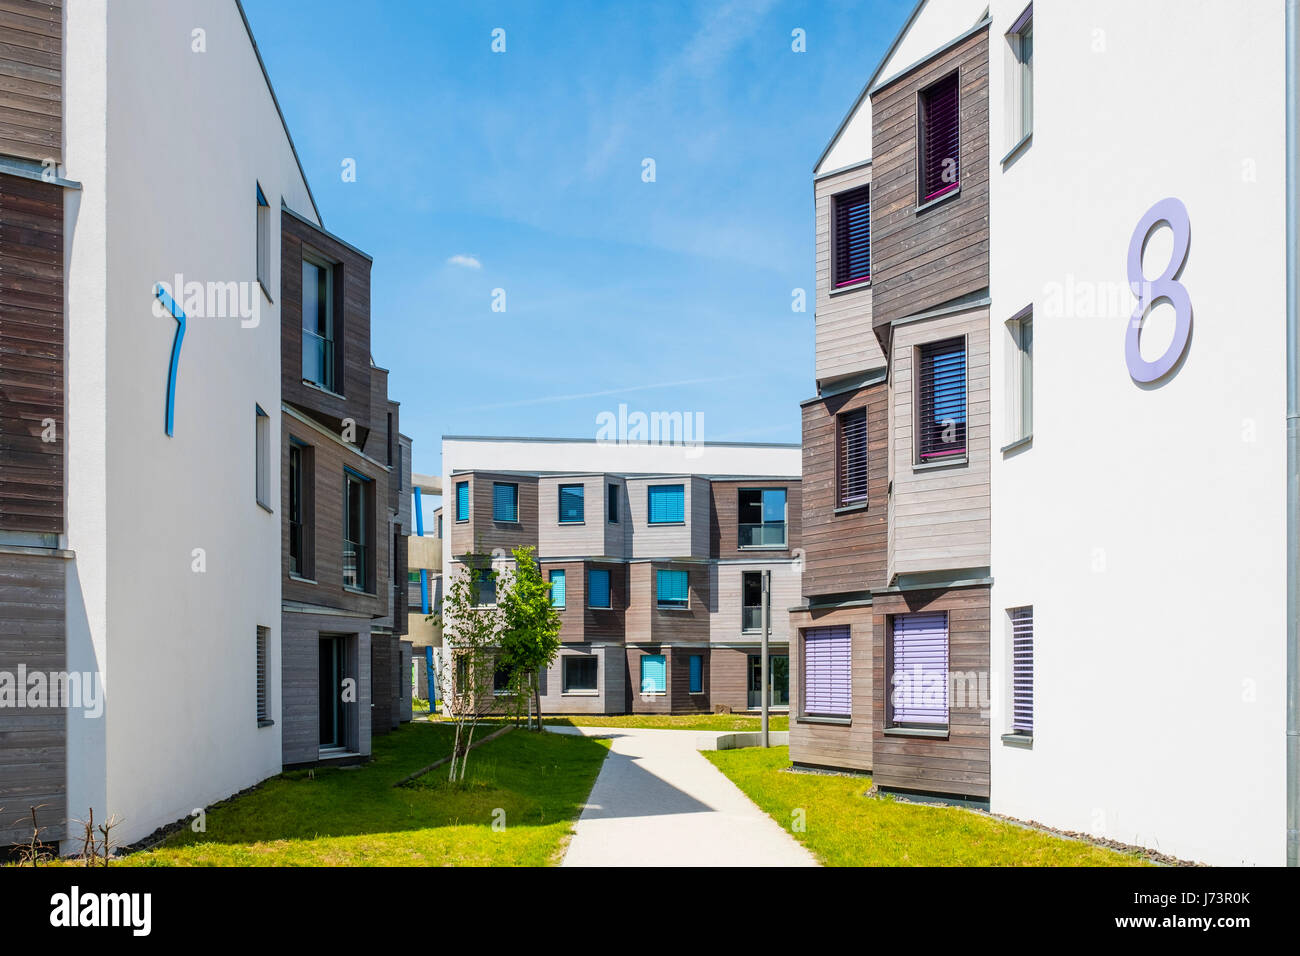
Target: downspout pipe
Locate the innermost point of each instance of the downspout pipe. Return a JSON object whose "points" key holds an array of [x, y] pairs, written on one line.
{"points": [[1292, 438]]}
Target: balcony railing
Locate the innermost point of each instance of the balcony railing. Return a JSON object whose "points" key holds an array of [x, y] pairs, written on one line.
{"points": [[317, 359], [751, 618], [767, 534], [355, 570]]}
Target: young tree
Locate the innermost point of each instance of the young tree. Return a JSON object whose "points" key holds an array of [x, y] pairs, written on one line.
{"points": [[530, 631], [471, 628]]}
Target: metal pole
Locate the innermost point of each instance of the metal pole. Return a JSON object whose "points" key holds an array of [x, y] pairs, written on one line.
{"points": [[763, 669], [1292, 439]]}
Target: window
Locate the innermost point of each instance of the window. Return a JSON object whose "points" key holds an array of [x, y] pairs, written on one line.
{"points": [[439, 526], [557, 588], [263, 241], [598, 588], [263, 680], [1022, 670], [941, 401], [356, 531], [571, 504], [762, 518], [667, 504], [318, 359], [401, 466], [486, 587], [1020, 77], [654, 674], [697, 673], [751, 601], [262, 457], [672, 589], [851, 240], [580, 675], [613, 504], [1020, 377], [940, 161], [827, 672], [462, 501], [500, 679], [505, 501], [919, 671], [388, 450], [299, 484], [851, 468]]}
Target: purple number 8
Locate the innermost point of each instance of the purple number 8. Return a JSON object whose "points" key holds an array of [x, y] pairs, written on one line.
{"points": [[1172, 213]]}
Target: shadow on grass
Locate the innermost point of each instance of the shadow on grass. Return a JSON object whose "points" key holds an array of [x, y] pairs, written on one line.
{"points": [[521, 779]]}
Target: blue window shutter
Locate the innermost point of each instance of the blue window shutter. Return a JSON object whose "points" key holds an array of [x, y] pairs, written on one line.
{"points": [[505, 502], [697, 673], [654, 674], [667, 503], [598, 588], [571, 503], [462, 501], [557, 589], [672, 588]]}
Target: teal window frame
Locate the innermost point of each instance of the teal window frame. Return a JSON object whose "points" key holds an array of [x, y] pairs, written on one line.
{"points": [[671, 508], [557, 577], [462, 501], [697, 673], [676, 585], [662, 688], [594, 573]]}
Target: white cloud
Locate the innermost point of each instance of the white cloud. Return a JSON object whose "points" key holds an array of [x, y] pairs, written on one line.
{"points": [[469, 262]]}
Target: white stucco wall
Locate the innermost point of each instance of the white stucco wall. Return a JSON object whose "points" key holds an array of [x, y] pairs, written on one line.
{"points": [[169, 187], [1146, 524]]}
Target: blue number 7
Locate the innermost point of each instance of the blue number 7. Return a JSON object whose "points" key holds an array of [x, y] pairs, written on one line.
{"points": [[179, 316]]}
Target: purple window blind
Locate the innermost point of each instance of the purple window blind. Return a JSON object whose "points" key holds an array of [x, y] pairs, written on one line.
{"points": [[852, 237], [1022, 670], [853, 458], [940, 146], [920, 680], [941, 400], [827, 671]]}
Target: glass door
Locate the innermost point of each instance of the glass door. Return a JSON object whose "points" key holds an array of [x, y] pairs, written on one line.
{"points": [[778, 680]]}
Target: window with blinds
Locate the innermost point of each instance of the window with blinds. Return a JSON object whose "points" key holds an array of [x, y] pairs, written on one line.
{"points": [[557, 588], [919, 669], [851, 238], [667, 504], [827, 672], [940, 159], [462, 501], [598, 588], [1022, 670], [654, 674], [671, 588], [852, 455], [263, 679], [505, 501], [941, 401], [613, 504], [571, 504], [697, 673]]}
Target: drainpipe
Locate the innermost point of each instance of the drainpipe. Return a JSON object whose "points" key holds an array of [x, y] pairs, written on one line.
{"points": [[1292, 448]]}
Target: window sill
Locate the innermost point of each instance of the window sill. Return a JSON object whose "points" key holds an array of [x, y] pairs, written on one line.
{"points": [[580, 693], [853, 287], [591, 608], [946, 463], [761, 547], [1018, 444], [1018, 150], [849, 509], [265, 291], [568, 524], [352, 590], [666, 524], [937, 734], [265, 723], [265, 507], [938, 201], [462, 521], [1023, 741], [299, 578], [838, 721], [496, 520], [321, 388]]}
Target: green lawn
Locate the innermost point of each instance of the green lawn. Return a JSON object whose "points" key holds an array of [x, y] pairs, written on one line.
{"points": [[664, 721], [845, 828], [356, 817]]}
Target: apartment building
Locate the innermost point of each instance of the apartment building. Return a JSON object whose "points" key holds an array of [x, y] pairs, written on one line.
{"points": [[1015, 593], [147, 294], [654, 554]]}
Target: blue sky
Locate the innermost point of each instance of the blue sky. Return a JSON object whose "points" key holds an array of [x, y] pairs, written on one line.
{"points": [[522, 171]]}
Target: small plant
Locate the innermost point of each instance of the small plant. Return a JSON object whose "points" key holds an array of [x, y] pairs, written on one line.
{"points": [[33, 853]]}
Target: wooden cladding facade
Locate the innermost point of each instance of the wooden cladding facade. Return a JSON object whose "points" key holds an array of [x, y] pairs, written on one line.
{"points": [[821, 743], [844, 550], [31, 357], [31, 79], [926, 255], [352, 397], [957, 764]]}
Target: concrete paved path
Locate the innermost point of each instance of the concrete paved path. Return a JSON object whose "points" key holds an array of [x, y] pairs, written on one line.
{"points": [[658, 802]]}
